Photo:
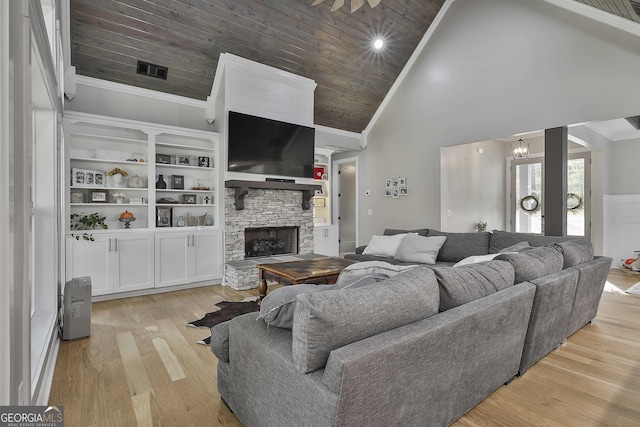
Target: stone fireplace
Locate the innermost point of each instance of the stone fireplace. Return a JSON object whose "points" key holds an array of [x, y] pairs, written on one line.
{"points": [[263, 208]]}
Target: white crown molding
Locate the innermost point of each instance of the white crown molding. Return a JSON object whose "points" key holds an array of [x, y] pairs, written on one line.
{"points": [[138, 91]]}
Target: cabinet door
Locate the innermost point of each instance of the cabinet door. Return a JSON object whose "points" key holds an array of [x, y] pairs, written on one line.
{"points": [[325, 240], [85, 258], [172, 260], [134, 267], [206, 255]]}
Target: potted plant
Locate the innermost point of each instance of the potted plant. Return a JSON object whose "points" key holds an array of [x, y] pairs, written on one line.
{"points": [[481, 226], [82, 221]]}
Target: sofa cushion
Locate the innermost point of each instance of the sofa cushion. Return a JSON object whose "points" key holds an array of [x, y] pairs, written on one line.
{"points": [[576, 252], [420, 249], [383, 245], [534, 263], [517, 247], [394, 231], [378, 269], [502, 239], [461, 245], [328, 320], [276, 309], [466, 283]]}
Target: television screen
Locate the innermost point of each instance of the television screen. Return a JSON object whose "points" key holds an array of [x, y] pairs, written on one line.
{"points": [[269, 147]]}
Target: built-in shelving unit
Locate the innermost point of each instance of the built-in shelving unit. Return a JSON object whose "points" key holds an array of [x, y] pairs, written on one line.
{"points": [[113, 166]]}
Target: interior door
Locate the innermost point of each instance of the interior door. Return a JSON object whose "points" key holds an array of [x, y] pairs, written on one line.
{"points": [[579, 195]]}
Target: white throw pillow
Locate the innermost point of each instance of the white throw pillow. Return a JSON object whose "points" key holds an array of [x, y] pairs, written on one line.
{"points": [[417, 248], [384, 245]]}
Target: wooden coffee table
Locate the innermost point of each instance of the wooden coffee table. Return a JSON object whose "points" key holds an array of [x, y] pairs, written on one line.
{"points": [[316, 270]]}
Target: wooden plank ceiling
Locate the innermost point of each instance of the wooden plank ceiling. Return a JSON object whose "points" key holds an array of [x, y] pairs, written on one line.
{"points": [[108, 37]]}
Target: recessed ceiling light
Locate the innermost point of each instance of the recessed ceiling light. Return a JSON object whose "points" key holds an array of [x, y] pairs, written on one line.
{"points": [[378, 43]]}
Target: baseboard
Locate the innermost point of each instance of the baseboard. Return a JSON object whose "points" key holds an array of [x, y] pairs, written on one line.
{"points": [[40, 396]]}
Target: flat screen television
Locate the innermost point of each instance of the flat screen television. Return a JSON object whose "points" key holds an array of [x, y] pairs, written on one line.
{"points": [[269, 147]]}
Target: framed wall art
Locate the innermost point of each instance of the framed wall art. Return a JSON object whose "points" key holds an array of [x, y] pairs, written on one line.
{"points": [[164, 216]]}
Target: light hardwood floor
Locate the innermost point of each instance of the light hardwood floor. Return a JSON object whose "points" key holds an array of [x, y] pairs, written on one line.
{"points": [[142, 367]]}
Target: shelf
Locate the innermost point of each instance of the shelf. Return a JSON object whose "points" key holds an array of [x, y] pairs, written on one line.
{"points": [[186, 205], [108, 204], [172, 190], [171, 165], [94, 160], [109, 138], [75, 187], [185, 147], [242, 189]]}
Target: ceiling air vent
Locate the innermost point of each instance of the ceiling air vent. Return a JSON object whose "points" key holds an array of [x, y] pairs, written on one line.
{"points": [[635, 121], [152, 70], [636, 7]]}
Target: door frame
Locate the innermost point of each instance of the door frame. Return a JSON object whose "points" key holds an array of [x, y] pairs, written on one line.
{"points": [[335, 191]]}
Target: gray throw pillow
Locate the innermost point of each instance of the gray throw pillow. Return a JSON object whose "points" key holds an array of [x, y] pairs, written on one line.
{"points": [[534, 263], [329, 320], [466, 283], [518, 247]]}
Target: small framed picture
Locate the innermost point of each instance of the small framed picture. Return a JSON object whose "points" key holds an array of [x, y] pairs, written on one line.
{"points": [[164, 216], [189, 199], [319, 202], [394, 181], [98, 196], [77, 197], [182, 160], [203, 162], [387, 183], [388, 192], [164, 159], [177, 182], [404, 190], [402, 181]]}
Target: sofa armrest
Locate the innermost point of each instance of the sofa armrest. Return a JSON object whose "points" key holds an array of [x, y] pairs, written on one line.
{"points": [[477, 346]]}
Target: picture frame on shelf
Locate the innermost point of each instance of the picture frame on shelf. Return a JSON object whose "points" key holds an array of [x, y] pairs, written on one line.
{"points": [[164, 216], [188, 199], [182, 160], [177, 182], [163, 159], [77, 196], [87, 178], [98, 196], [203, 162], [319, 202], [404, 190]]}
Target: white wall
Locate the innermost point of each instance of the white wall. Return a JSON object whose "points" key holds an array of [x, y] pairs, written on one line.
{"points": [[624, 175], [473, 186], [493, 68]]}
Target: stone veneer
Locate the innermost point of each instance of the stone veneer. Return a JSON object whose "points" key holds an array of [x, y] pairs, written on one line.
{"points": [[262, 208]]}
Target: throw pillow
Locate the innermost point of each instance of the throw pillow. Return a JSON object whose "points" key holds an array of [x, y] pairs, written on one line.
{"points": [[416, 248], [329, 320], [384, 245]]}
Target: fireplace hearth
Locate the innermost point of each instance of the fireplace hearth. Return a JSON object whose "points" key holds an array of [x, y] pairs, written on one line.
{"points": [[269, 241]]}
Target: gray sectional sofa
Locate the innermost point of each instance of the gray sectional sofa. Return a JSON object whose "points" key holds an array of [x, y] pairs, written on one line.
{"points": [[415, 346]]}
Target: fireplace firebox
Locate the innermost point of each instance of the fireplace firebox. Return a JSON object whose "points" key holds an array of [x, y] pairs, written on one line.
{"points": [[268, 241]]}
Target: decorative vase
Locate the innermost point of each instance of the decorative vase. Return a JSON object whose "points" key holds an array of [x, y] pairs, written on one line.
{"points": [[117, 180], [181, 222], [160, 183]]}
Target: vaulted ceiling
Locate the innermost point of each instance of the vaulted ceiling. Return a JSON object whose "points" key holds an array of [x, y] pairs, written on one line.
{"points": [[109, 37]]}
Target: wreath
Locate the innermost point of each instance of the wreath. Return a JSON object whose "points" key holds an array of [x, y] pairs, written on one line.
{"points": [[574, 202], [530, 203]]}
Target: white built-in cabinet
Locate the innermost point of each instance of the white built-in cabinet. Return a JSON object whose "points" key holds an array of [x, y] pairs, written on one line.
{"points": [[187, 257], [325, 240], [176, 237], [115, 262]]}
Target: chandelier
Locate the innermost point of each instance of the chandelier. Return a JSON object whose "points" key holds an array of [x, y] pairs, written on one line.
{"points": [[520, 149], [355, 4]]}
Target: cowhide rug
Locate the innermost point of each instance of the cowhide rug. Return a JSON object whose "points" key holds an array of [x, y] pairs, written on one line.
{"points": [[228, 310]]}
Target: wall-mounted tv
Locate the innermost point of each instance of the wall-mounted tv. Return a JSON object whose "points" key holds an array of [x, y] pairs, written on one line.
{"points": [[269, 147]]}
